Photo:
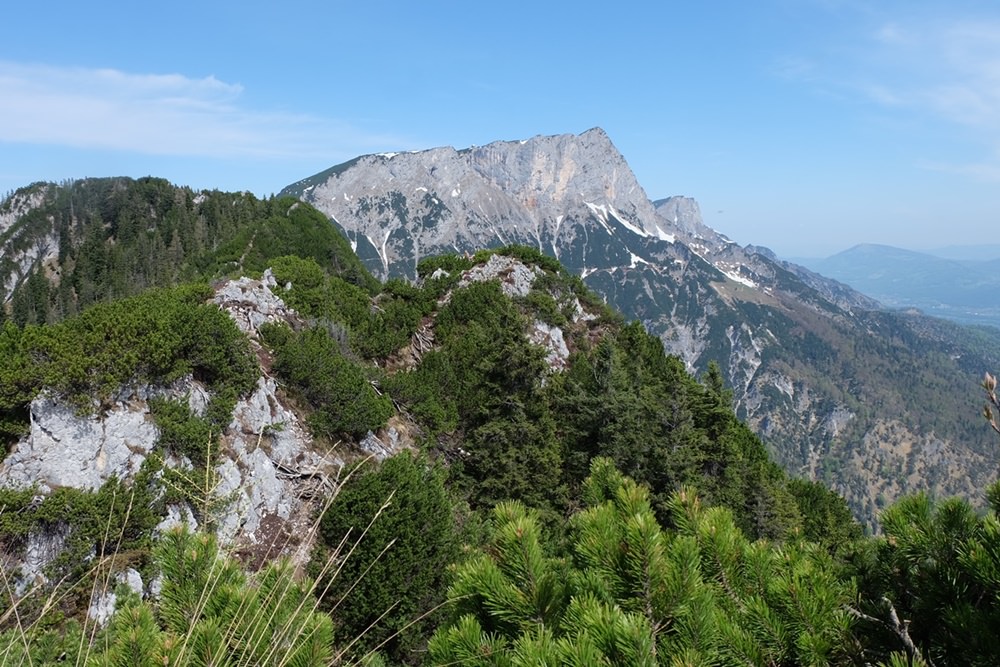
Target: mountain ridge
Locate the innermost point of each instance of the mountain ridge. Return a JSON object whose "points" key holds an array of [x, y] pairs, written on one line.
{"points": [[807, 356]]}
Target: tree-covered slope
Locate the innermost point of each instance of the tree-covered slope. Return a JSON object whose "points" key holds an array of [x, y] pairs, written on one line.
{"points": [[66, 246]]}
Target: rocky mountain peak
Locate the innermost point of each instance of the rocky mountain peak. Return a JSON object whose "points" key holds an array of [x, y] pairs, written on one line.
{"points": [[399, 207]]}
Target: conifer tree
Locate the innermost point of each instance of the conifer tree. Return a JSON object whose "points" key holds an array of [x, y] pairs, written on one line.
{"points": [[208, 613], [634, 594], [394, 533]]}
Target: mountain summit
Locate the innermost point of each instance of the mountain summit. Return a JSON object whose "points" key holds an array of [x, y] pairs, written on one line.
{"points": [[874, 403], [542, 192]]}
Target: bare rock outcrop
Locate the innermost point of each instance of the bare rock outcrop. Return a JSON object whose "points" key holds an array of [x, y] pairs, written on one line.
{"points": [[515, 277], [267, 476]]}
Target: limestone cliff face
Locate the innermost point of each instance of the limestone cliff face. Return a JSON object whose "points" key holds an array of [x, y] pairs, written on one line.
{"points": [[36, 245], [268, 476], [399, 208]]}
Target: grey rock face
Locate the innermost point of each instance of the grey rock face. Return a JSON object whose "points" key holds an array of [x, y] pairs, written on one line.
{"points": [[21, 254], [380, 448], [551, 338], [251, 302], [103, 603], [65, 449], [265, 467], [19, 204], [529, 192], [177, 515], [514, 276], [43, 547]]}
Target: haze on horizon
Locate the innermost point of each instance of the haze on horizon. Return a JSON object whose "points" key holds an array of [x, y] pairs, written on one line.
{"points": [[807, 126]]}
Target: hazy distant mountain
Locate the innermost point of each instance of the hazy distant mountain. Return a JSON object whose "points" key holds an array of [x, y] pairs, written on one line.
{"points": [[972, 253], [966, 291], [875, 403]]}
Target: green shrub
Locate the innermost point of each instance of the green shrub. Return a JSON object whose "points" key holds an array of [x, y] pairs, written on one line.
{"points": [[156, 337], [451, 263], [341, 397], [181, 431], [401, 520]]}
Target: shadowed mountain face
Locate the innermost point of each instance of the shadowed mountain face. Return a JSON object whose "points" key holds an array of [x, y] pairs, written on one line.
{"points": [[874, 403]]}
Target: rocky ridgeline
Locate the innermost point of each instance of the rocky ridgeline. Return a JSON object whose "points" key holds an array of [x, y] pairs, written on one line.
{"points": [[516, 280], [267, 477]]}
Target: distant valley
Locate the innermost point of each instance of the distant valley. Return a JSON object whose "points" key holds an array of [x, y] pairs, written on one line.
{"points": [[958, 284]]}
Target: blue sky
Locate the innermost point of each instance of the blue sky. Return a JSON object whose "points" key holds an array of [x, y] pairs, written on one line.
{"points": [[804, 125]]}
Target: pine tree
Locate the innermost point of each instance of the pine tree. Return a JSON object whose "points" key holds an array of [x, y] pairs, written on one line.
{"points": [[634, 594], [931, 584], [393, 532], [211, 613]]}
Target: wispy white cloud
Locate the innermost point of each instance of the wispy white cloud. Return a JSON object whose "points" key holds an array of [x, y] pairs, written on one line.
{"points": [[946, 69], [980, 171], [160, 114], [940, 66], [951, 69]]}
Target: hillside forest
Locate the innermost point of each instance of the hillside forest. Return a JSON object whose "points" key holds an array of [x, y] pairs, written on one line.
{"points": [[604, 507]]}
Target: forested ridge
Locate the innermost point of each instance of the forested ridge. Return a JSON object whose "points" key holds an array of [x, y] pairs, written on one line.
{"points": [[599, 508]]}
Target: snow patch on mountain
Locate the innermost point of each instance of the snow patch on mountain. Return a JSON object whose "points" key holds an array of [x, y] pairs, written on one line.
{"points": [[628, 225], [664, 236], [636, 261], [736, 277]]}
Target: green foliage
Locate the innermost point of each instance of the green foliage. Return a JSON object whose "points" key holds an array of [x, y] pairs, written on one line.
{"points": [[428, 391], [376, 328], [628, 401], [211, 604], [937, 567], [449, 263], [488, 375], [482, 333], [118, 237], [181, 431], [341, 397], [156, 337], [826, 518], [515, 429], [396, 315], [283, 227], [393, 529], [196, 438], [307, 279], [528, 255], [544, 307], [96, 528], [16, 388], [634, 594], [208, 613]]}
